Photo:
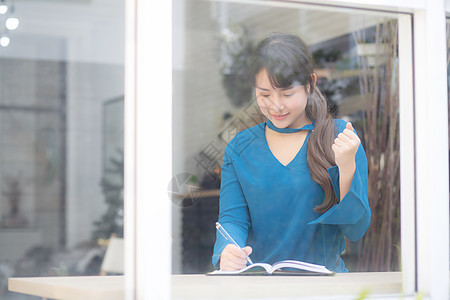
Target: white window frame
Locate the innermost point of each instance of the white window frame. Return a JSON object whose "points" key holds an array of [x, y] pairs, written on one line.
{"points": [[148, 149], [423, 138], [431, 134]]}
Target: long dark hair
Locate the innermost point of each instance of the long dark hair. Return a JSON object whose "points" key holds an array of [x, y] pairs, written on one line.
{"points": [[287, 60]]}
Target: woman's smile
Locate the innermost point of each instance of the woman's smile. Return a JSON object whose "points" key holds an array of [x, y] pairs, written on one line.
{"points": [[279, 117]]}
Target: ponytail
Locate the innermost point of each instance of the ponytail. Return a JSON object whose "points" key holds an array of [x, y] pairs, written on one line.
{"points": [[320, 156]]}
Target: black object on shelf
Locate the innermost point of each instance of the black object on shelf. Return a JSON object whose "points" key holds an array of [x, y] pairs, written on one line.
{"points": [[199, 235]]}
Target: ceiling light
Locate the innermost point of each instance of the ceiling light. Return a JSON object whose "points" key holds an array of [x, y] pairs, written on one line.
{"points": [[4, 41], [3, 9], [12, 23]]}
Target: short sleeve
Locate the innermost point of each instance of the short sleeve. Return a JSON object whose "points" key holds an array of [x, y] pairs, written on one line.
{"points": [[352, 213], [233, 210]]}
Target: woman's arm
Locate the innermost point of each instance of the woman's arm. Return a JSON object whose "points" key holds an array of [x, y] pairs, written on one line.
{"points": [[345, 179], [233, 210], [352, 213], [345, 147]]}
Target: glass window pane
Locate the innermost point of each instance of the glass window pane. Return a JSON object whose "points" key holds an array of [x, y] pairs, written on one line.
{"points": [[61, 135], [356, 62]]}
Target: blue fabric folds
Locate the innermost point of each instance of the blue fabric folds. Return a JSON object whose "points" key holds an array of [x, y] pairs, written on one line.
{"points": [[270, 206]]}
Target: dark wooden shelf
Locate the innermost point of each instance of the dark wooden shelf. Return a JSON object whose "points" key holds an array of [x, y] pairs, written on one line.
{"points": [[199, 231]]}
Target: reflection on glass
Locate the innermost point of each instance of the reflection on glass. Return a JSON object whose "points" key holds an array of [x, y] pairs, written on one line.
{"points": [[293, 187], [61, 172], [448, 82], [356, 65]]}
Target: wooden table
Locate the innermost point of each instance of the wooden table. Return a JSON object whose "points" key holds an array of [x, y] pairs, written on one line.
{"points": [[199, 286]]}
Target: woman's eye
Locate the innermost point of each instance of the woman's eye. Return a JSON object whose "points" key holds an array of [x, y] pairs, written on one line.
{"points": [[265, 95], [288, 95]]}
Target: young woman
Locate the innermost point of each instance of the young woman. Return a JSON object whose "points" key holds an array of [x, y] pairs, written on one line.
{"points": [[294, 186]]}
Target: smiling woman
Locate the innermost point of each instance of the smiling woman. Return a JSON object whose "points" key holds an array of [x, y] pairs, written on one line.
{"points": [[303, 208]]}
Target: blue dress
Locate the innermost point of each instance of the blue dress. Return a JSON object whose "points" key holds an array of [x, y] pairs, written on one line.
{"points": [[270, 207]]}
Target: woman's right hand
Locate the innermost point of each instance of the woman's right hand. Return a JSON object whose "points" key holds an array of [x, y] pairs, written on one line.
{"points": [[234, 258]]}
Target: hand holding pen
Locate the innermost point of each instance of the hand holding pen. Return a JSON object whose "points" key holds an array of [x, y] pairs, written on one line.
{"points": [[233, 257]]}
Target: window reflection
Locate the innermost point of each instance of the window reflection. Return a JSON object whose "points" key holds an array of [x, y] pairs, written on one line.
{"points": [[356, 62]]}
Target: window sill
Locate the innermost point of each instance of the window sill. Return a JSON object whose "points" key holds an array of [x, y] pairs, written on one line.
{"points": [[245, 287], [200, 286]]}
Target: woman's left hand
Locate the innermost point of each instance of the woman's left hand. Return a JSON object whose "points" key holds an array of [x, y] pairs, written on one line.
{"points": [[345, 146]]}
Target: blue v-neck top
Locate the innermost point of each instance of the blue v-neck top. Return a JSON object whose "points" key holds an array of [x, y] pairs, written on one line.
{"points": [[270, 207]]}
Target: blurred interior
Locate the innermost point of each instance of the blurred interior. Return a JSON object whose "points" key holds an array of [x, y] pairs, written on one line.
{"points": [[61, 131]]}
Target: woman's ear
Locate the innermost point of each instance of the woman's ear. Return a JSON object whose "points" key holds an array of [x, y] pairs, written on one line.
{"points": [[314, 78], [313, 83]]}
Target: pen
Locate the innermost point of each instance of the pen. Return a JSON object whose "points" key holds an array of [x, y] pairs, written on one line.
{"points": [[227, 236]]}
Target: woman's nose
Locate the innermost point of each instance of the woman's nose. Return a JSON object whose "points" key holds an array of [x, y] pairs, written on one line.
{"points": [[276, 104]]}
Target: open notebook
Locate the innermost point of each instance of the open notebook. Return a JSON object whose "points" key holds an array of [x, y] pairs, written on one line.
{"points": [[285, 267]]}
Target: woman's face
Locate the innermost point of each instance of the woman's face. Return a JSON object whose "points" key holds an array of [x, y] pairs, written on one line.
{"points": [[284, 107]]}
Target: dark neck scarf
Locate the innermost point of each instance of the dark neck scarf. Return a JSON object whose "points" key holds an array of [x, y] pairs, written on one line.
{"points": [[288, 130]]}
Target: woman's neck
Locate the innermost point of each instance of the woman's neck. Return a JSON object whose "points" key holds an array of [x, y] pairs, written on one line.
{"points": [[303, 123]]}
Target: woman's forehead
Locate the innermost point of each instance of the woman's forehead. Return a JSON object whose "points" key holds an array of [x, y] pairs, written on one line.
{"points": [[266, 81], [264, 84]]}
